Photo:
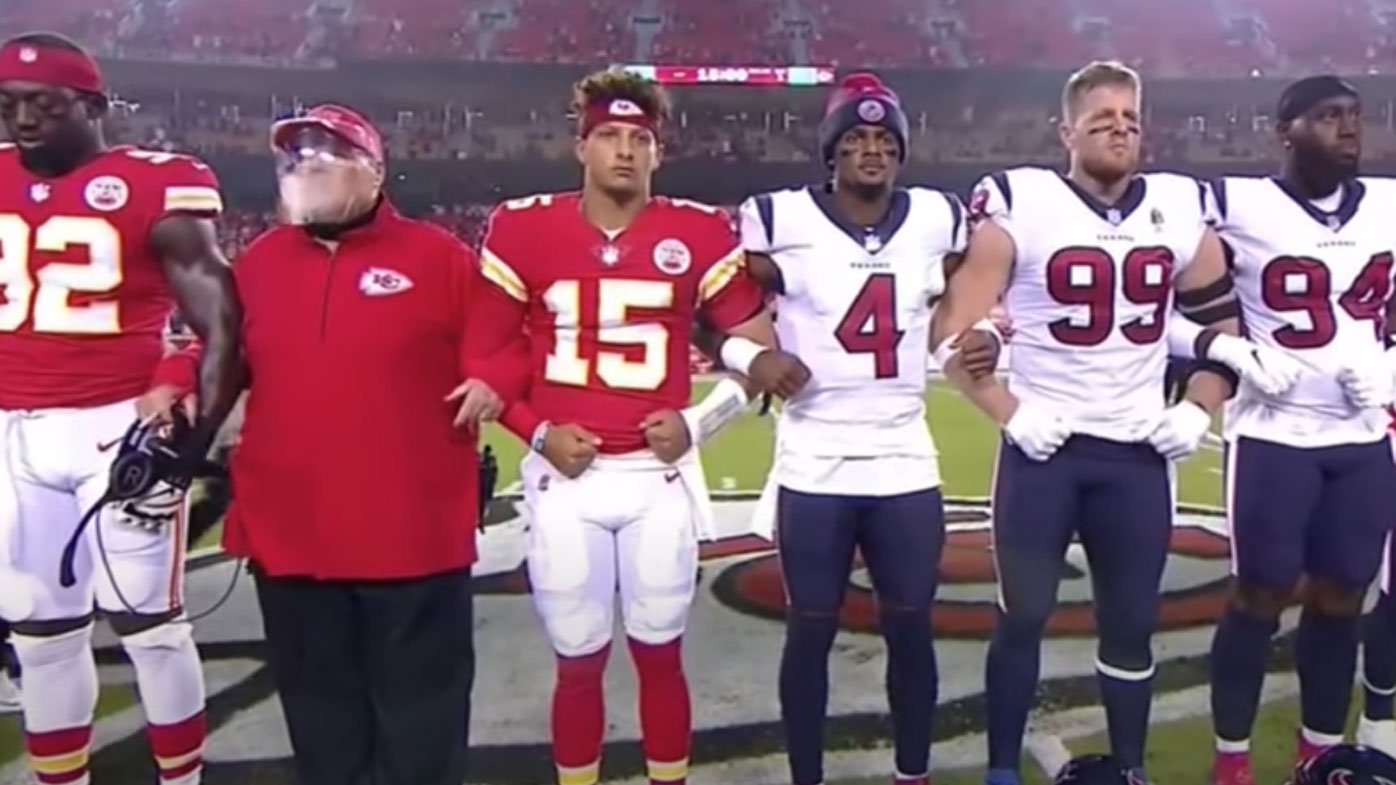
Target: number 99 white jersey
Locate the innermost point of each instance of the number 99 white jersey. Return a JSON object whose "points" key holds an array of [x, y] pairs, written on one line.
{"points": [[1313, 281], [856, 308], [1091, 292]]}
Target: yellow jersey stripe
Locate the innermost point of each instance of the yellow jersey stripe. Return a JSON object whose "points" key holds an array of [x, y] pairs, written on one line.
{"points": [[60, 764], [676, 771], [193, 197], [579, 775], [502, 275], [719, 275]]}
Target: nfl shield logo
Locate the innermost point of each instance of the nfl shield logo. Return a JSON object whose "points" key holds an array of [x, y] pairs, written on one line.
{"points": [[1332, 222], [610, 255], [873, 243], [40, 192], [1112, 215]]}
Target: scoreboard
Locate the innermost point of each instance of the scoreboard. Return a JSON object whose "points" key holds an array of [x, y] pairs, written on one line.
{"points": [[750, 75]]}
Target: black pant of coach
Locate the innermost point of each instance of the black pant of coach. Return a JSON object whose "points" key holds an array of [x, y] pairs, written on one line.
{"points": [[374, 676]]}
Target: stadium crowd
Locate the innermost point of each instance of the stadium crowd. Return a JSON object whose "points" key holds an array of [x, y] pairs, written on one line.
{"points": [[1192, 36]]}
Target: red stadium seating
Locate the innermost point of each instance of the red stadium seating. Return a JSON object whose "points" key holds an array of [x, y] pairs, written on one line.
{"points": [[1205, 37]]}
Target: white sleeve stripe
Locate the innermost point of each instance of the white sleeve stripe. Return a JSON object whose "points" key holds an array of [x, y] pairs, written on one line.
{"points": [[192, 197]]}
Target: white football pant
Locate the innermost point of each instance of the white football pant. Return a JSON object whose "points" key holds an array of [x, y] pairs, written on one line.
{"points": [[629, 523]]}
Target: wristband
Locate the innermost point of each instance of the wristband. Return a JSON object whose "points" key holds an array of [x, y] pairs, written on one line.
{"points": [[725, 403], [944, 353], [987, 325], [738, 353], [540, 436]]}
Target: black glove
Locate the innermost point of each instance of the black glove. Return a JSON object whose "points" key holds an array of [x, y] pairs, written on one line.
{"points": [[489, 476]]}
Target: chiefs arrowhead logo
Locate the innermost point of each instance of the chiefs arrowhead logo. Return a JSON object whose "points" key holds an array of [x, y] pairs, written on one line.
{"points": [[622, 107], [380, 282]]}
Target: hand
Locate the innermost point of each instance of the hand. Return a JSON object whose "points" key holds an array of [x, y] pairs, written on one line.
{"points": [[478, 403], [159, 402], [570, 449], [1368, 388], [1272, 371], [1180, 432], [1037, 432], [779, 372], [1002, 322], [667, 434], [978, 352]]}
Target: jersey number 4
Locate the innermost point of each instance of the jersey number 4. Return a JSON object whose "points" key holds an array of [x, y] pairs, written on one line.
{"points": [[1085, 276], [613, 298], [46, 293], [1292, 284], [870, 324]]}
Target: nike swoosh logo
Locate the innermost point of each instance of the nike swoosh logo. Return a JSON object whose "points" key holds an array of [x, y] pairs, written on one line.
{"points": [[104, 446], [671, 476]]}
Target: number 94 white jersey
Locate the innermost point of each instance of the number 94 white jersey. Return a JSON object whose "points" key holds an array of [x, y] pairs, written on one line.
{"points": [[856, 308], [1313, 280], [1092, 291]]}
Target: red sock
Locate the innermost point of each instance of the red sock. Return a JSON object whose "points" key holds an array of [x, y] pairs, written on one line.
{"points": [[61, 757], [579, 718], [179, 749], [666, 720]]}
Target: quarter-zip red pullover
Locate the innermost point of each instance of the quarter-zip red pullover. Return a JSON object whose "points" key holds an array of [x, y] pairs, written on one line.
{"points": [[349, 466]]}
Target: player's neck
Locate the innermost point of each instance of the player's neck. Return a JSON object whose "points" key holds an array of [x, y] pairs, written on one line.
{"points": [[611, 214], [1106, 192], [1310, 185], [863, 208], [51, 165]]}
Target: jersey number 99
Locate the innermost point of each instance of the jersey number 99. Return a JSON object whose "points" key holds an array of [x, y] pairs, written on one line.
{"points": [[1085, 276], [1300, 284]]}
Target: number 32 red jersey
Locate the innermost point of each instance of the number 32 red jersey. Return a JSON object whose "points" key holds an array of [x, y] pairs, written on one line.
{"points": [[611, 318], [83, 296]]}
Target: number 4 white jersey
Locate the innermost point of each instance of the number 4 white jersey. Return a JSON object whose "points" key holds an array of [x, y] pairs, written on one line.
{"points": [[856, 308], [1314, 282], [1092, 291]]}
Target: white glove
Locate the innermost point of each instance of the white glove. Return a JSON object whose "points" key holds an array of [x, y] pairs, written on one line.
{"points": [[1271, 371], [1369, 387], [1037, 432], [1180, 432]]}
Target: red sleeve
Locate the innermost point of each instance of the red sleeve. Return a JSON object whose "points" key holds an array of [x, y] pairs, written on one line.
{"points": [[181, 185], [521, 421], [494, 347], [179, 369], [727, 294]]}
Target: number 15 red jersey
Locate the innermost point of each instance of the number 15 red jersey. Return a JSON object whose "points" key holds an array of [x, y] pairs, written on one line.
{"points": [[610, 318], [83, 296]]}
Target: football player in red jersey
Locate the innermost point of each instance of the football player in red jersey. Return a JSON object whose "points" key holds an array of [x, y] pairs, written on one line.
{"points": [[609, 282], [97, 245]]}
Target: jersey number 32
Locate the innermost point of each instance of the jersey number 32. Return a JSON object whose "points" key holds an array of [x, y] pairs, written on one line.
{"points": [[46, 293]]}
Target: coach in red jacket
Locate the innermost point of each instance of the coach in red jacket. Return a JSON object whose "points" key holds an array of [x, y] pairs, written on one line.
{"points": [[355, 481]]}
